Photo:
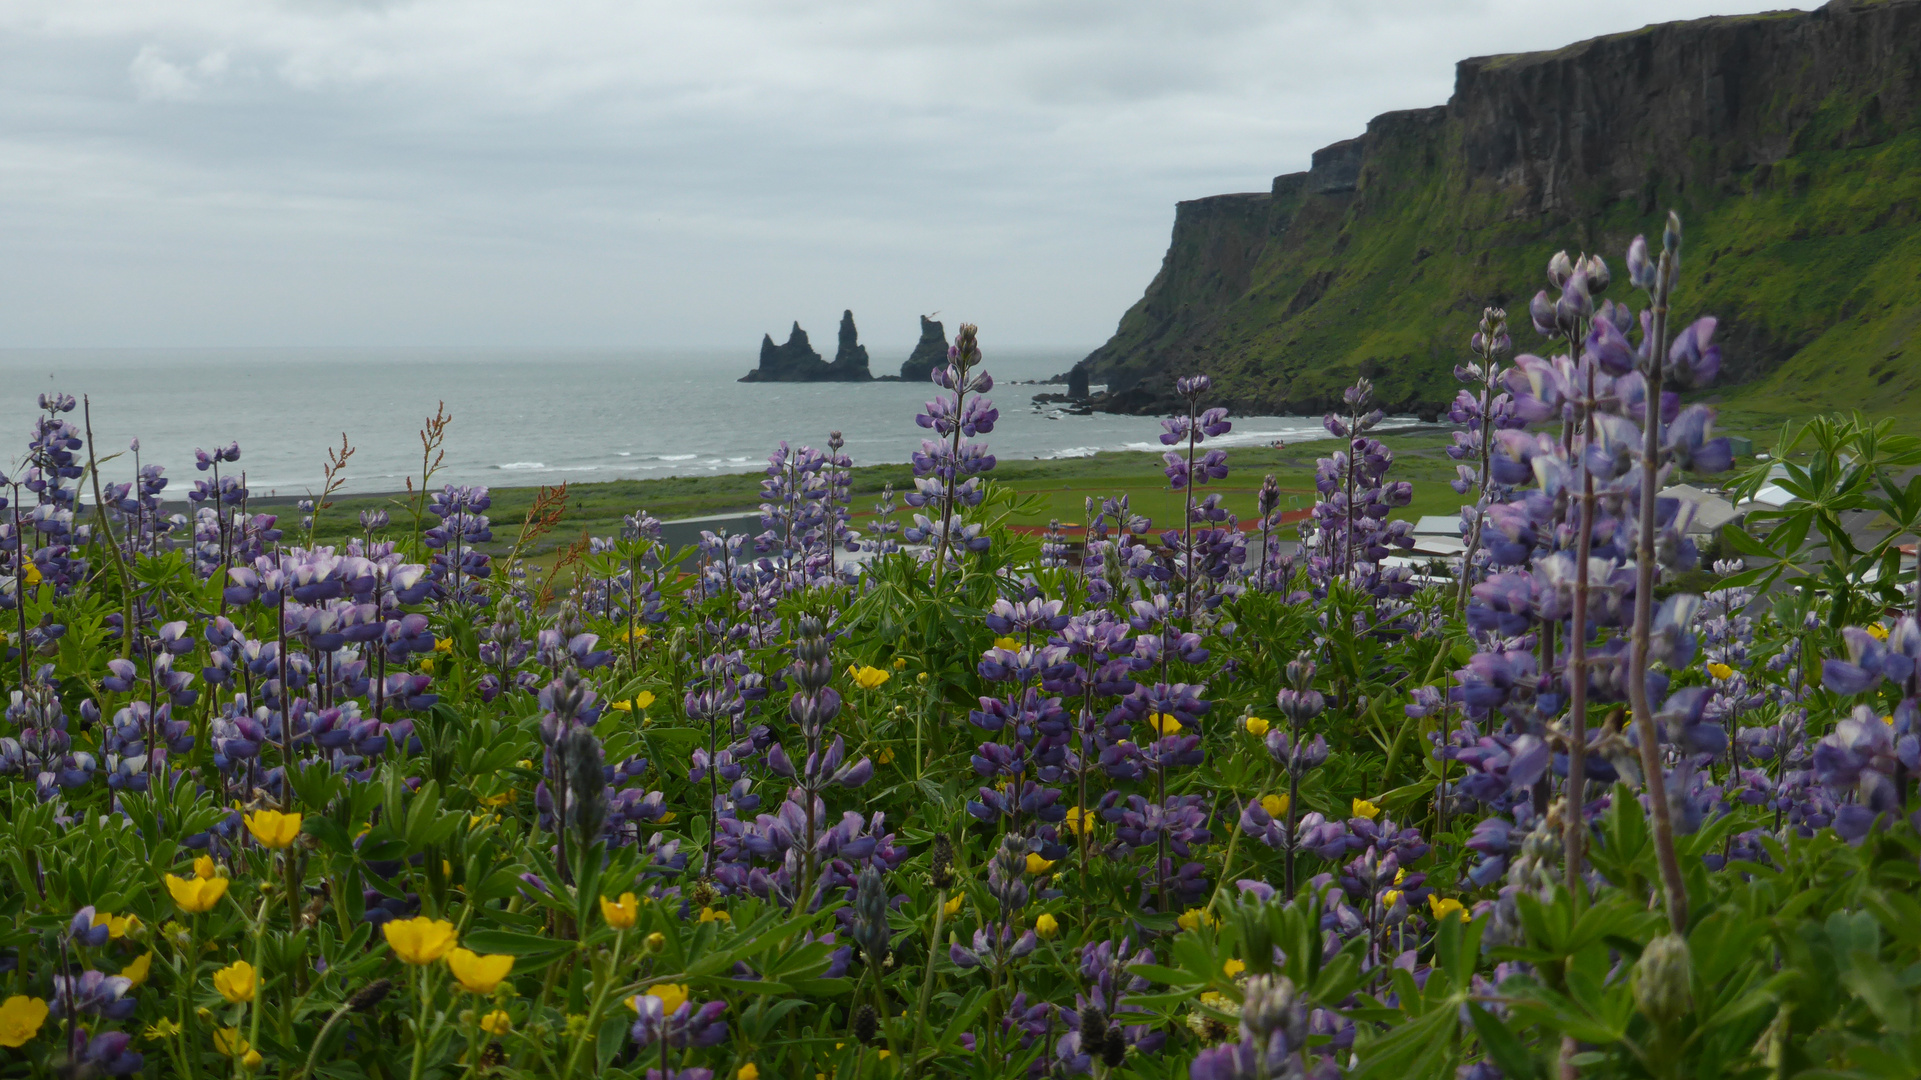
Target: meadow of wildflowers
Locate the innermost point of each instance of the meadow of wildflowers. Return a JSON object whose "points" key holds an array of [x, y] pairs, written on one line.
{"points": [[910, 794]]}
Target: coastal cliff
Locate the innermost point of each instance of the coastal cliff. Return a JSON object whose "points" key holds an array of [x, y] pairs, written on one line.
{"points": [[796, 361], [1790, 142]]}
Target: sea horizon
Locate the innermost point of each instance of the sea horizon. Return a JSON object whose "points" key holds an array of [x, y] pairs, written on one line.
{"points": [[525, 416]]}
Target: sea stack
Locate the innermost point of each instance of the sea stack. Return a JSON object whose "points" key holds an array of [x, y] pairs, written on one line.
{"points": [[929, 351], [850, 363], [796, 361]]}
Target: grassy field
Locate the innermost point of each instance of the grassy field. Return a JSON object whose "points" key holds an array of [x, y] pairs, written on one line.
{"points": [[1051, 490]]}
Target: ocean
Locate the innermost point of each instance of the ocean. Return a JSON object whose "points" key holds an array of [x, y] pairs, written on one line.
{"points": [[523, 417]]}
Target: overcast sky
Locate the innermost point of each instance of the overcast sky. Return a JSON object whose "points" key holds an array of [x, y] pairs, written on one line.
{"points": [[688, 173]]}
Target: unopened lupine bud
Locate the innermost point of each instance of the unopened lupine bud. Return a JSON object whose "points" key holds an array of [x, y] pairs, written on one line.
{"points": [[368, 996], [1595, 269], [866, 1024], [1662, 979], [1300, 671], [1093, 1029], [1559, 269], [941, 865], [1640, 267]]}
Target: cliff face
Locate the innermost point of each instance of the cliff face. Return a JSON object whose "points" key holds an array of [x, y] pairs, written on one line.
{"points": [[1790, 142], [796, 361]]}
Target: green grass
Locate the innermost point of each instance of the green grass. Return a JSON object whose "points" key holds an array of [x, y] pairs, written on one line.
{"points": [[1058, 489]]}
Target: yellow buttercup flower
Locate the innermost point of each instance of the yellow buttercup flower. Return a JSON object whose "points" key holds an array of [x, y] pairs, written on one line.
{"points": [[478, 974], [1390, 898], [900, 663], [1164, 724], [1233, 968], [497, 801], [1443, 907], [230, 1042], [160, 1031], [1720, 671], [444, 645], [1047, 926], [273, 829], [749, 1071], [952, 907], [886, 756], [1275, 805], [1875, 630], [236, 982], [620, 914], [496, 1023], [672, 996], [1193, 918], [139, 969], [708, 914], [1363, 808], [1007, 643], [420, 941], [1888, 719], [1078, 819], [638, 704], [20, 1019], [203, 867], [427, 665], [1038, 865], [33, 574], [634, 636], [117, 926], [1256, 726], [196, 895], [868, 678]]}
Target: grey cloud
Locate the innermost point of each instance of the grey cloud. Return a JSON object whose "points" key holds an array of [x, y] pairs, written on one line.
{"points": [[610, 172]]}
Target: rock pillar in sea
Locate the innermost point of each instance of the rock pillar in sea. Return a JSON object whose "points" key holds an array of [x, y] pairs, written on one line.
{"points": [[850, 363], [929, 351]]}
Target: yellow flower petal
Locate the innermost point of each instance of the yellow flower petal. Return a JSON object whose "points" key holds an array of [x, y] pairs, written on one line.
{"points": [[273, 829], [1275, 805], [1038, 865], [496, 1023], [236, 982], [420, 941], [20, 1020], [1256, 726], [139, 969], [620, 914], [1365, 809], [1164, 724], [196, 895], [478, 974], [1047, 926]]}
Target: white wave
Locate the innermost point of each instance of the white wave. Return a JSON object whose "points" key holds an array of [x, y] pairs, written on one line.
{"points": [[1075, 452], [523, 465], [677, 457]]}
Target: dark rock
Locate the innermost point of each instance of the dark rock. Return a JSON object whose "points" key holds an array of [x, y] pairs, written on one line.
{"points": [[796, 361], [850, 363], [929, 351], [1077, 382]]}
